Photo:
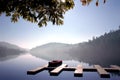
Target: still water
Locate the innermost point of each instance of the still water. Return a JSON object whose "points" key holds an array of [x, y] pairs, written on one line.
{"points": [[16, 69]]}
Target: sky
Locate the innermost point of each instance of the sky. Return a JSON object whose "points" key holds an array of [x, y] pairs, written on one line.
{"points": [[80, 25]]}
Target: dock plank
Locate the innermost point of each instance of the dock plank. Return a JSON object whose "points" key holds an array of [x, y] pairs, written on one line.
{"points": [[102, 71], [78, 71], [34, 71], [58, 69], [115, 66]]}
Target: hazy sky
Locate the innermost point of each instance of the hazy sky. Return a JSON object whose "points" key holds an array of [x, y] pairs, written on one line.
{"points": [[80, 24]]}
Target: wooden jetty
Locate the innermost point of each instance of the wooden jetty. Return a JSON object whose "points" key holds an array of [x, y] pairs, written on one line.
{"points": [[34, 71], [102, 71], [115, 66], [58, 69], [78, 71]]}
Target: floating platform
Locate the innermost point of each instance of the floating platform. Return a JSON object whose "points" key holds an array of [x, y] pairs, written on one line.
{"points": [[78, 71]]}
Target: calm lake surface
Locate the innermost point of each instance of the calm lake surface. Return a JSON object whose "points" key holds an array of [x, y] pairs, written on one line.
{"points": [[16, 69]]}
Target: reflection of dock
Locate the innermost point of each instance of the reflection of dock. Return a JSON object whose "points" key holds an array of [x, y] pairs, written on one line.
{"points": [[78, 71]]}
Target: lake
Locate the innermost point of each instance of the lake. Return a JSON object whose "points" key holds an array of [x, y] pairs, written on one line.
{"points": [[15, 68]]}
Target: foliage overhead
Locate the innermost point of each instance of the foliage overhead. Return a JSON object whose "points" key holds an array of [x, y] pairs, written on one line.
{"points": [[39, 11]]}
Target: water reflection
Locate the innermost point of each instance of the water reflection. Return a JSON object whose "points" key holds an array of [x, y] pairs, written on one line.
{"points": [[16, 69], [9, 56], [115, 73], [54, 56], [67, 57]]}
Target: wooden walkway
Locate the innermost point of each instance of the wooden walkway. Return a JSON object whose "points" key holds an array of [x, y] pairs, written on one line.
{"points": [[102, 71], [116, 67], [57, 70], [34, 71], [78, 71]]}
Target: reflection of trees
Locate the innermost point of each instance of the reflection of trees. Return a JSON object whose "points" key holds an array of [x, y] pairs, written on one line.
{"points": [[8, 57], [6, 53]]}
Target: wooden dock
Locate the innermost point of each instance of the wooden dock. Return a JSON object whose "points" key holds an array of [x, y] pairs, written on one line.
{"points": [[58, 69], [102, 71], [78, 71], [115, 66], [34, 71]]}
